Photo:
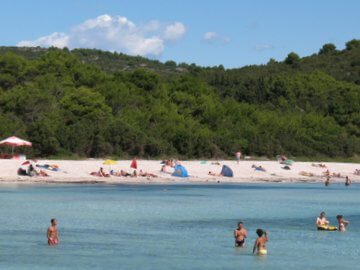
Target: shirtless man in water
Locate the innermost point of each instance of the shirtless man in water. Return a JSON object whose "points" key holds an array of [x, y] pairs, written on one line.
{"points": [[52, 233], [260, 243], [321, 220], [240, 234]]}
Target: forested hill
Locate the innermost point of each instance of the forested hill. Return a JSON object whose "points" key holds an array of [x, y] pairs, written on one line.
{"points": [[91, 103]]}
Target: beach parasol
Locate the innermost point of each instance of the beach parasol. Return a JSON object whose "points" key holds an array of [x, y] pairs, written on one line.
{"points": [[109, 162], [15, 141]]}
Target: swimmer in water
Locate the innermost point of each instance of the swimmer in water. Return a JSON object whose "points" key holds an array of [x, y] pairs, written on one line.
{"points": [[347, 181], [240, 234], [52, 233], [260, 243], [321, 220], [342, 223]]}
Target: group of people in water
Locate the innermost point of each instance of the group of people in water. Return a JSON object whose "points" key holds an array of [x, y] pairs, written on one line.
{"points": [[240, 233], [323, 224]]}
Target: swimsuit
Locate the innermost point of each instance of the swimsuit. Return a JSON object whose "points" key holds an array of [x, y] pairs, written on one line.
{"points": [[240, 243], [262, 252], [52, 241]]}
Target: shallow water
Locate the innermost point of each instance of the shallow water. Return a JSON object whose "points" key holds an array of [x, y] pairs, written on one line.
{"points": [[176, 226]]}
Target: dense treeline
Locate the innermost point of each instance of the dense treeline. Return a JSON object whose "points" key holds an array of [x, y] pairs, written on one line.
{"points": [[67, 102]]}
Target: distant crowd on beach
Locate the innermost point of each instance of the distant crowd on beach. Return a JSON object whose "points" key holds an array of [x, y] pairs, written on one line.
{"points": [[167, 167]]}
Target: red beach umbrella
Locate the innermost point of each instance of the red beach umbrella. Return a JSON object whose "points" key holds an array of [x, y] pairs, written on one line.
{"points": [[15, 141]]}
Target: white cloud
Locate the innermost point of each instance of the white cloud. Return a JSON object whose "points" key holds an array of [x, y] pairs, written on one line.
{"points": [[174, 31], [115, 33], [55, 39], [263, 47], [212, 37]]}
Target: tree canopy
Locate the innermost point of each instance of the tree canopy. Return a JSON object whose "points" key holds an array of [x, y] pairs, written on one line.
{"points": [[91, 103]]}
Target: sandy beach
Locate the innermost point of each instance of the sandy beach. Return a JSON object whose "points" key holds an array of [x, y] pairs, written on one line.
{"points": [[79, 172]]}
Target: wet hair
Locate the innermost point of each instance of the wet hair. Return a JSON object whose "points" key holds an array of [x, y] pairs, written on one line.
{"points": [[240, 223], [339, 216], [322, 214], [52, 220], [259, 232]]}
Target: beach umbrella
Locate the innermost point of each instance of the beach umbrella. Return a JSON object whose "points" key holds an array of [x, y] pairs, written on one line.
{"points": [[15, 141], [109, 162]]}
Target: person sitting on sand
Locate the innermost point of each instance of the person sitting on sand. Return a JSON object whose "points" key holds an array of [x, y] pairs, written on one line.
{"points": [[163, 168], [357, 172], [342, 223], [31, 171], [258, 168], [321, 220], [240, 234], [52, 233], [102, 173], [327, 181], [260, 242], [283, 157], [326, 173], [336, 175], [347, 181], [146, 174]]}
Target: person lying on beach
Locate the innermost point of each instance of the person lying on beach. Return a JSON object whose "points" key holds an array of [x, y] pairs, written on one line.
{"points": [[338, 175], [347, 181], [215, 174], [321, 220], [240, 234], [357, 172], [42, 173], [146, 174], [326, 173], [342, 223], [260, 242], [215, 163], [319, 165], [286, 167], [52, 233], [258, 168], [124, 173], [52, 167], [306, 173]]}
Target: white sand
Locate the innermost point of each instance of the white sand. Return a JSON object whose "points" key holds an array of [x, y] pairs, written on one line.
{"points": [[79, 172]]}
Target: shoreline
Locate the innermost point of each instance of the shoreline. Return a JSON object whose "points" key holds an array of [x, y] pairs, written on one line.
{"points": [[78, 172]]}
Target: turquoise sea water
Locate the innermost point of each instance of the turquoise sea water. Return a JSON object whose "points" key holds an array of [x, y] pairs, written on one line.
{"points": [[177, 226]]}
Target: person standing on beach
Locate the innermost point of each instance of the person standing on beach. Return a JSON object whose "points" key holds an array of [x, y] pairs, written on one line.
{"points": [[240, 234], [238, 156], [260, 243], [52, 233], [342, 223]]}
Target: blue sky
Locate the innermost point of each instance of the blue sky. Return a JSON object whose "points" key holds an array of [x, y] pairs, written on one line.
{"points": [[228, 32]]}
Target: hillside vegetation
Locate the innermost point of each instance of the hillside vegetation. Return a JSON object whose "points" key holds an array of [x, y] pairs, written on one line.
{"points": [[91, 103]]}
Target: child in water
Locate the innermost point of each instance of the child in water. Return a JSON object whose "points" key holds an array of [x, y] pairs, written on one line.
{"points": [[260, 243]]}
